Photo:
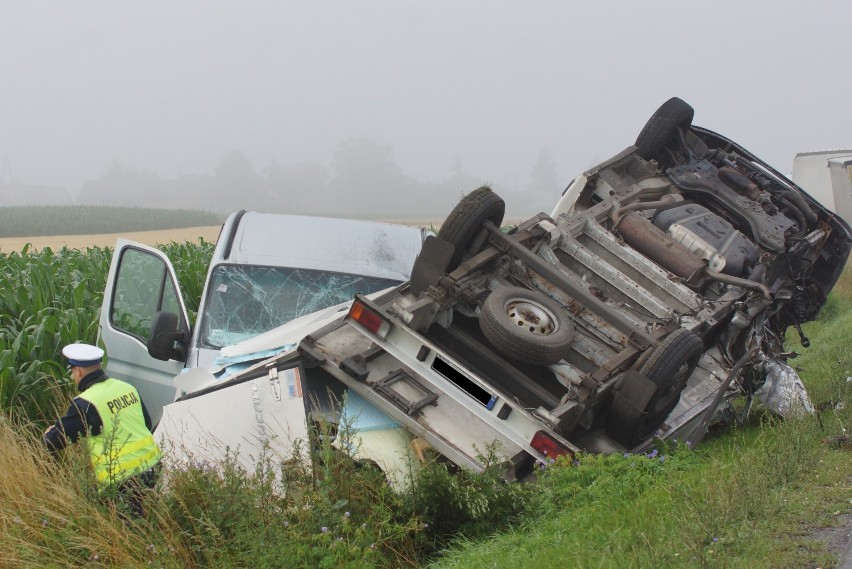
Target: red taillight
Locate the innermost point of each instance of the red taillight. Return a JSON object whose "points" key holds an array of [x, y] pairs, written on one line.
{"points": [[548, 446], [369, 319]]}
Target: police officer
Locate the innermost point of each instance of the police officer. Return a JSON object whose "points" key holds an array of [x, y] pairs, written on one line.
{"points": [[111, 417]]}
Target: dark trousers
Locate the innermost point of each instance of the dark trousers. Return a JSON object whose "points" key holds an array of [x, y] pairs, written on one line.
{"points": [[130, 494]]}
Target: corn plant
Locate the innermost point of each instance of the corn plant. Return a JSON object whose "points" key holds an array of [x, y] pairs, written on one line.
{"points": [[51, 298]]}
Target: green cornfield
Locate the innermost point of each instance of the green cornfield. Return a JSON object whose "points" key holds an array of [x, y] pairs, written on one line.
{"points": [[52, 298], [83, 220]]}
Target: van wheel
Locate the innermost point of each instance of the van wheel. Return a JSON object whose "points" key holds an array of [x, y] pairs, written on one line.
{"points": [[463, 225], [526, 325], [662, 126], [669, 368]]}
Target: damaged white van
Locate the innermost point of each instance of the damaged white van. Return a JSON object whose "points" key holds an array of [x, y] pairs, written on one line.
{"points": [[266, 270]]}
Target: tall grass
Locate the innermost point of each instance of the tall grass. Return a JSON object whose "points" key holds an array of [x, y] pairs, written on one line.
{"points": [[325, 511], [50, 518]]}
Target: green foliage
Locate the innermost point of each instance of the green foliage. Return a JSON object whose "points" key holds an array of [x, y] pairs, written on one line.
{"points": [[739, 500], [460, 504], [191, 261], [51, 298], [50, 519], [317, 508], [26, 221], [286, 515], [47, 299], [591, 478]]}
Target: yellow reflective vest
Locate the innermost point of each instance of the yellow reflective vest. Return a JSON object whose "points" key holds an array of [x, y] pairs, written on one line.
{"points": [[124, 446]]}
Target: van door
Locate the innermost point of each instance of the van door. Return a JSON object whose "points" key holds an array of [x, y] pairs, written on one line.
{"points": [[141, 282]]}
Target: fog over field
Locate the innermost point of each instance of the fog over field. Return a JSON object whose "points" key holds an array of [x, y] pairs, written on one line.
{"points": [[391, 108]]}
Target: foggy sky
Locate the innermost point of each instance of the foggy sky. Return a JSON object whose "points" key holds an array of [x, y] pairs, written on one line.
{"points": [[171, 87]]}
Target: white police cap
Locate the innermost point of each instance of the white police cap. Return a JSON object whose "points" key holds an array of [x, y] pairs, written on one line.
{"points": [[82, 355]]}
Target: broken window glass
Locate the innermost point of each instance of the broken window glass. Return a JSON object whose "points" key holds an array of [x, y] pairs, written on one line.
{"points": [[244, 301]]}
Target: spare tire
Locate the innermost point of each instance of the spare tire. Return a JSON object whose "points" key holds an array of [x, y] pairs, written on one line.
{"points": [[662, 126], [525, 325], [464, 223]]}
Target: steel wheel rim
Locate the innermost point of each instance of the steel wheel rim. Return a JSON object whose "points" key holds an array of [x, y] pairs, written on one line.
{"points": [[531, 316]]}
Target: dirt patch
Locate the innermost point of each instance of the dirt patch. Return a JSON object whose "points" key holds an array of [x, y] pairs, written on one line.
{"points": [[184, 234], [837, 539]]}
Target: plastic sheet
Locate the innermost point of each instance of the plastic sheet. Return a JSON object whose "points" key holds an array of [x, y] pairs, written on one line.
{"points": [[783, 391]]}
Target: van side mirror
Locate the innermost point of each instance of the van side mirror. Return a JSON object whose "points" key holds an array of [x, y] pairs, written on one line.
{"points": [[166, 341]]}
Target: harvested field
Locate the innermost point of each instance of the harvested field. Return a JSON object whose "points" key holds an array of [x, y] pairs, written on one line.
{"points": [[180, 235]]}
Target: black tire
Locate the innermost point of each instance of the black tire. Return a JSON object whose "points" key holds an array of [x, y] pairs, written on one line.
{"points": [[662, 126], [464, 223], [669, 367], [526, 325]]}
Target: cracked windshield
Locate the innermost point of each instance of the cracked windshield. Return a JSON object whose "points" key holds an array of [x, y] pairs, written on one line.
{"points": [[245, 301]]}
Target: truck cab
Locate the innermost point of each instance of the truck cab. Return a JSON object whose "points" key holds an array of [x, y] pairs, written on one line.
{"points": [[266, 270]]}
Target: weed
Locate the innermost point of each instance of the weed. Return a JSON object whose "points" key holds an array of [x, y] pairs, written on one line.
{"points": [[461, 504]]}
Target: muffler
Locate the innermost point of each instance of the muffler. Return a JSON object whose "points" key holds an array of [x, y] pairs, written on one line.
{"points": [[658, 246]]}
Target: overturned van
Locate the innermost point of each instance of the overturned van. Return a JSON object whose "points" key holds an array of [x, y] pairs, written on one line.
{"points": [[654, 296]]}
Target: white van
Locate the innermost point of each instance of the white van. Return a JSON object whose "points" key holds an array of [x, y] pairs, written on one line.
{"points": [[266, 270]]}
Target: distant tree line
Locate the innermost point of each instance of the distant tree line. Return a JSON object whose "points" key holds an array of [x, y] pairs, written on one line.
{"points": [[363, 180]]}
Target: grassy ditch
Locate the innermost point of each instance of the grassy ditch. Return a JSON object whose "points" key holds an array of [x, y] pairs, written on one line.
{"points": [[324, 511]]}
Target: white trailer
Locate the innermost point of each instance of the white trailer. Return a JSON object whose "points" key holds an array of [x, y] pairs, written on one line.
{"points": [[827, 176]]}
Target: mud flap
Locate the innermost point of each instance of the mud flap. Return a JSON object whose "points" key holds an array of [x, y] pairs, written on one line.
{"points": [[431, 264], [628, 407]]}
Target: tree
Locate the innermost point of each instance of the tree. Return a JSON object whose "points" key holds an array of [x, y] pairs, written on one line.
{"points": [[459, 184], [295, 188], [544, 187], [123, 186], [367, 180], [237, 185], [544, 176]]}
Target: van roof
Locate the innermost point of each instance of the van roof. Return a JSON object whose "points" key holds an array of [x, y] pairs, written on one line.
{"points": [[369, 248]]}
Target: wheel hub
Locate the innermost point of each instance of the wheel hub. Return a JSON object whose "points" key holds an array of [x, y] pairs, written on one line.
{"points": [[531, 317]]}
